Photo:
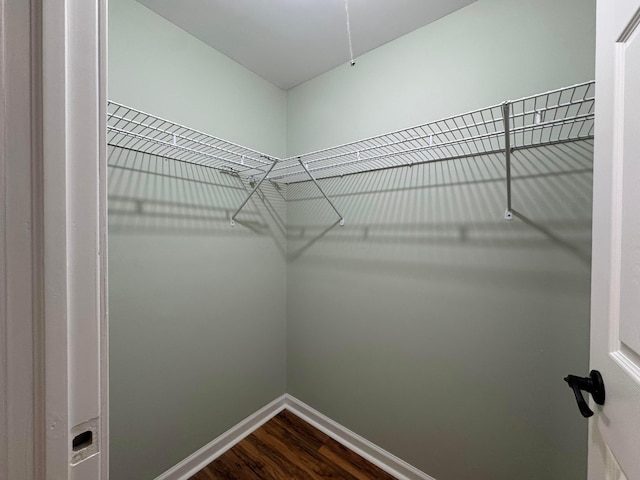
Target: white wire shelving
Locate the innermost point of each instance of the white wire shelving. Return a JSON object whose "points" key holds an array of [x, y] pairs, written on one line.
{"points": [[555, 117], [136, 130]]}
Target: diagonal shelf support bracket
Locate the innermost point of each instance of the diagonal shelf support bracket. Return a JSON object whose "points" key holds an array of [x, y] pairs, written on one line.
{"points": [[255, 189], [506, 117], [322, 192]]}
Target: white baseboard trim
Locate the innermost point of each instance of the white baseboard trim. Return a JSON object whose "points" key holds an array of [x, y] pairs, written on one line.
{"points": [[207, 454], [363, 447]]}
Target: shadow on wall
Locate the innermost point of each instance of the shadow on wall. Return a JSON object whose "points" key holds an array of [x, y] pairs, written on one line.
{"points": [[190, 355], [449, 205], [150, 194]]}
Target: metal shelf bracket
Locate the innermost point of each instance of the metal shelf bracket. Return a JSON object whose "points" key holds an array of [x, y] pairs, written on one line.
{"points": [[255, 189], [506, 116], [306, 169], [264, 177]]}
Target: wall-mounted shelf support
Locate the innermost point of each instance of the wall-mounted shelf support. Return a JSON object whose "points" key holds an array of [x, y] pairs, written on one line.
{"points": [[255, 189], [506, 116], [322, 192]]}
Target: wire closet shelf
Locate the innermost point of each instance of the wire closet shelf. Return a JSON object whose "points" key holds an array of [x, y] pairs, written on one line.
{"points": [[558, 116], [555, 117], [136, 130]]}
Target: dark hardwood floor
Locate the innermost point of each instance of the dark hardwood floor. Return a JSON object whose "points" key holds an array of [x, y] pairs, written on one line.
{"points": [[288, 448]]}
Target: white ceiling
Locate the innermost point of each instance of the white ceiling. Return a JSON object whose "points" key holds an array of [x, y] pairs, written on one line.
{"points": [[290, 41]]}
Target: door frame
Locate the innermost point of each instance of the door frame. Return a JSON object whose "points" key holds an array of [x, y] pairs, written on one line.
{"points": [[74, 231], [53, 286]]}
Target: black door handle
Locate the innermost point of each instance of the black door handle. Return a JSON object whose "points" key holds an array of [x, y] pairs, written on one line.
{"points": [[592, 384]]}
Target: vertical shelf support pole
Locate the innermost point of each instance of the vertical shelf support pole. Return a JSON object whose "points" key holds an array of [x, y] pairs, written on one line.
{"points": [[322, 192], [506, 117], [255, 189]]}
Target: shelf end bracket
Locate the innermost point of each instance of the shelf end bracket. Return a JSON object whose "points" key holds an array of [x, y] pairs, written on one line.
{"points": [[306, 169], [255, 189], [506, 116]]}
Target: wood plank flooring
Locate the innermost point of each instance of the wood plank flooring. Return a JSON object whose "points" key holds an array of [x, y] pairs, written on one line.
{"points": [[288, 448]]}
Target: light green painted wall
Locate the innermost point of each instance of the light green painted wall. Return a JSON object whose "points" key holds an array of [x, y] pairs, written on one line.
{"points": [[437, 330], [197, 308], [483, 54], [412, 324], [428, 324], [158, 68]]}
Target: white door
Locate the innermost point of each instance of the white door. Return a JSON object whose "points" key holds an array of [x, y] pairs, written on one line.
{"points": [[614, 446]]}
